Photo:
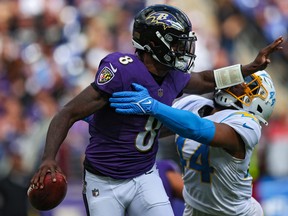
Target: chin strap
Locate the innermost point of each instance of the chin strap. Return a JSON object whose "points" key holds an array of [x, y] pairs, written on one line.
{"points": [[262, 120]]}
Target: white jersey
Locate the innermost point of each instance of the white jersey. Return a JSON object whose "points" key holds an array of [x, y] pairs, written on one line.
{"points": [[217, 183]]}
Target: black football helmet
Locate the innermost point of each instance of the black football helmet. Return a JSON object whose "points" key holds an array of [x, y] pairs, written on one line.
{"points": [[166, 33]]}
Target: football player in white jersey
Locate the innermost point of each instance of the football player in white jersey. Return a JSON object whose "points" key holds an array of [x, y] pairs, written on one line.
{"points": [[215, 141]]}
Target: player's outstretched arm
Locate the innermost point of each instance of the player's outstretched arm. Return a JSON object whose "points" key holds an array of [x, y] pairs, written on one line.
{"points": [[182, 122], [206, 81]]}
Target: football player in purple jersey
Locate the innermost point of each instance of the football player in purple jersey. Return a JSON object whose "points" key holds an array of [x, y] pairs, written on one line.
{"points": [[120, 176]]}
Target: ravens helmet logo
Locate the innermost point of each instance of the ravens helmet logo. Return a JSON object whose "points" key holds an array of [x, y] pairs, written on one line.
{"points": [[165, 19]]}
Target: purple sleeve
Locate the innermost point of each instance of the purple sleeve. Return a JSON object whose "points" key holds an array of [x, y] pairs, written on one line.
{"points": [[108, 77]]}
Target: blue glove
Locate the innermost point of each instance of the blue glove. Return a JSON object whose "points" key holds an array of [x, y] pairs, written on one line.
{"points": [[133, 102]]}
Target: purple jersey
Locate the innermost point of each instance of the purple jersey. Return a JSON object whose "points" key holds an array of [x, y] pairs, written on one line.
{"points": [[124, 146]]}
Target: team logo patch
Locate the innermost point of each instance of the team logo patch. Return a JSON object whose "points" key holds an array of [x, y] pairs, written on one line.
{"points": [[105, 76]]}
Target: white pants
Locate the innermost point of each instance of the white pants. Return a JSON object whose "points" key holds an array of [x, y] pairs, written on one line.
{"points": [[256, 210], [140, 196]]}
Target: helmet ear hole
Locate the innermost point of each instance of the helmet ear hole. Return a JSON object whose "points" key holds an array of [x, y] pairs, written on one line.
{"points": [[224, 99], [259, 109]]}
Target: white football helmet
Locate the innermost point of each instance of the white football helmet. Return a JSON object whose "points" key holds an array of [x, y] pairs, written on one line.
{"points": [[259, 96]]}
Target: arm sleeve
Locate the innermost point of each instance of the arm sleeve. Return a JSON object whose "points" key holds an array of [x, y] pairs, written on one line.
{"points": [[184, 123]]}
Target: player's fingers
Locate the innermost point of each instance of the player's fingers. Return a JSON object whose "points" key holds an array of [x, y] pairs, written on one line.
{"points": [[123, 100], [35, 179], [124, 111], [138, 87], [60, 171], [43, 173], [116, 100], [124, 94], [53, 170], [53, 174], [121, 105], [38, 178], [274, 45], [114, 105]]}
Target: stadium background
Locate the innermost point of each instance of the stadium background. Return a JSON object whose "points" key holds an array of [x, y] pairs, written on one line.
{"points": [[50, 50]]}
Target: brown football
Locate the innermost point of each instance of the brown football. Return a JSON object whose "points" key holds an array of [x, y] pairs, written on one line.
{"points": [[51, 195]]}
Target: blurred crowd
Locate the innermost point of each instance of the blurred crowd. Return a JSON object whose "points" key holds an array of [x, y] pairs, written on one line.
{"points": [[50, 50], [270, 16]]}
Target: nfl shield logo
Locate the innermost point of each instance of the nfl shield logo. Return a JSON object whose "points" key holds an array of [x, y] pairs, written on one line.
{"points": [[95, 192], [160, 92]]}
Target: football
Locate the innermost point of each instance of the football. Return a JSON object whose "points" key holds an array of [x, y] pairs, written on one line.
{"points": [[51, 195]]}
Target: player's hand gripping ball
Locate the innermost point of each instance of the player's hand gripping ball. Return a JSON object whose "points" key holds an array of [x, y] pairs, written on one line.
{"points": [[51, 195]]}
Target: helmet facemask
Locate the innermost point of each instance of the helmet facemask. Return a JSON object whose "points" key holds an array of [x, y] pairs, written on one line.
{"points": [[252, 88], [176, 51]]}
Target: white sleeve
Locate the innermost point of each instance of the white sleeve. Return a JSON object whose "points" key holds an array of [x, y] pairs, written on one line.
{"points": [[247, 127]]}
